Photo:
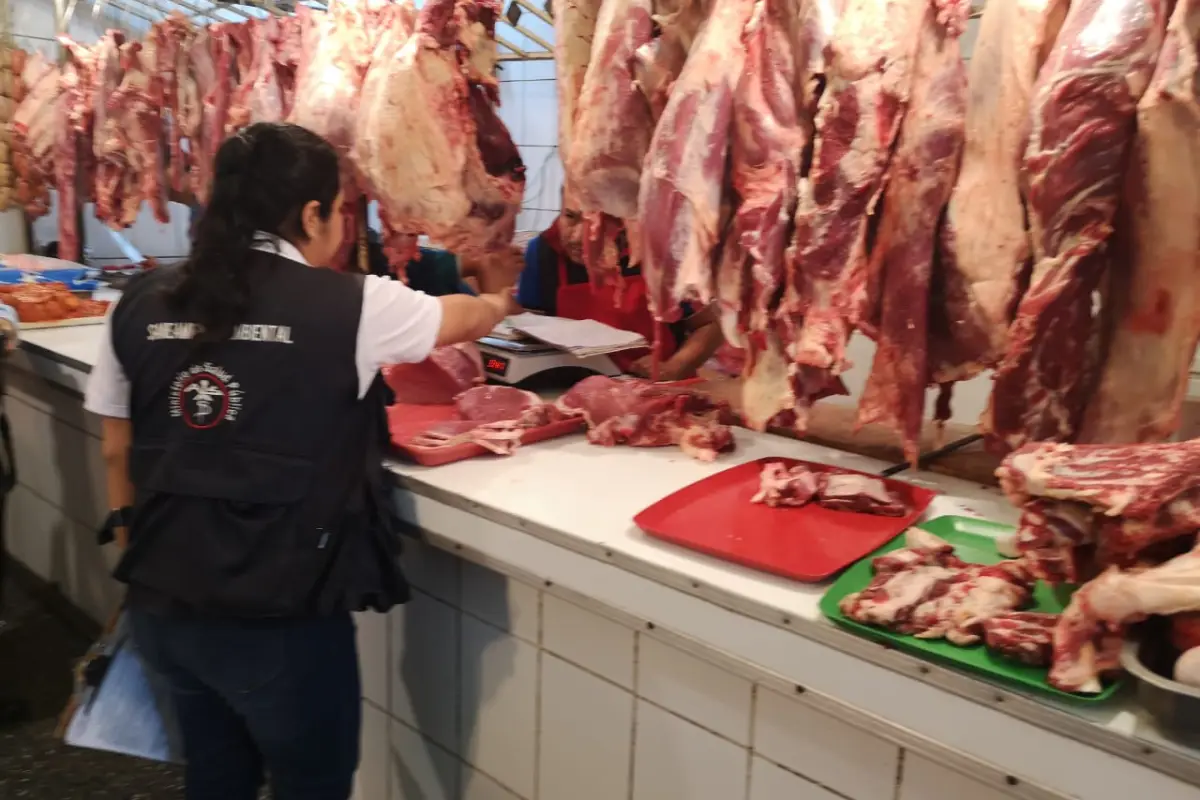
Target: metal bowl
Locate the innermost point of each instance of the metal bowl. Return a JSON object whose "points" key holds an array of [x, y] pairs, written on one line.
{"points": [[1175, 706]]}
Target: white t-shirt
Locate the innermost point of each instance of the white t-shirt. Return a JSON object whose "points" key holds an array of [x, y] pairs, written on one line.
{"points": [[397, 326]]}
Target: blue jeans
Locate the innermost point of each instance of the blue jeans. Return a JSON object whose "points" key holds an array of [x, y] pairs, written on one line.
{"points": [[280, 697]]}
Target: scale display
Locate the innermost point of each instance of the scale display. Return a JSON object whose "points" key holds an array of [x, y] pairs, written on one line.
{"points": [[495, 365]]}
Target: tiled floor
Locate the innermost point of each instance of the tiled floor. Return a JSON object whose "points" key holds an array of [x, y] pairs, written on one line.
{"points": [[37, 650]]}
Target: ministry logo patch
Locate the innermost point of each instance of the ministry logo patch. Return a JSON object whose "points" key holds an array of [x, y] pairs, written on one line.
{"points": [[205, 395]]}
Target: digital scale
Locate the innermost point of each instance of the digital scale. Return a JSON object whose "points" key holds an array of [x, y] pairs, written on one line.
{"points": [[512, 361]]}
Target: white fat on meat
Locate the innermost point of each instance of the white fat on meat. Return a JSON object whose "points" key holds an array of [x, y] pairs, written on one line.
{"points": [[853, 492], [985, 243], [1187, 668], [780, 485], [574, 28], [1156, 294], [890, 599]]}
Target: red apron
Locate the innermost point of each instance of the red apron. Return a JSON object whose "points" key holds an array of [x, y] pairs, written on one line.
{"points": [[632, 313]]}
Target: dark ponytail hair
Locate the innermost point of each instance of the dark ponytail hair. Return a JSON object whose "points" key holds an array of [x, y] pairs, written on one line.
{"points": [[263, 178]]}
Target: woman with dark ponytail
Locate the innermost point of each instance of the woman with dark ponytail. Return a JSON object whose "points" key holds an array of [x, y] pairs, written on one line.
{"points": [[244, 439]]}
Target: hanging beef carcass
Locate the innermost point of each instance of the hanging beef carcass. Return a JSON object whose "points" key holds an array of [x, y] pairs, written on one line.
{"points": [[259, 94], [429, 142], [574, 26], [1082, 122], [684, 174], [985, 243], [868, 73], [174, 37], [659, 62], [920, 180], [197, 76], [73, 134], [773, 110], [222, 48], [108, 139], [130, 165], [35, 130], [397, 24], [610, 132], [1156, 290]]}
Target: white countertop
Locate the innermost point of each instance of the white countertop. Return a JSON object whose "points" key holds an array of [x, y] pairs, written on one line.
{"points": [[583, 498]]}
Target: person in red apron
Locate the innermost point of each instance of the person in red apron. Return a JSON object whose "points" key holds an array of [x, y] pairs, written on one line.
{"points": [[555, 282]]}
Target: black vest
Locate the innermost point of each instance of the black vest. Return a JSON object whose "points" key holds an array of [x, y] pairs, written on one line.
{"points": [[258, 477]]}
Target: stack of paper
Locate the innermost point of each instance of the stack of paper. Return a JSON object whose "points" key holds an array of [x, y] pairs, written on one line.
{"points": [[579, 337]]}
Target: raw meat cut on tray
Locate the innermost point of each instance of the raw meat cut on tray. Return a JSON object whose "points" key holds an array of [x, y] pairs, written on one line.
{"points": [[502, 438], [984, 242], [920, 180], [642, 414], [1024, 636], [1155, 291], [490, 403], [446, 374], [868, 74], [930, 593], [848, 491], [683, 176], [1056, 537], [780, 485], [1082, 124]]}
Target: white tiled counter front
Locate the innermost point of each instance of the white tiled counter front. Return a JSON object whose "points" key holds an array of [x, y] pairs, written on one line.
{"points": [[553, 652], [546, 695]]}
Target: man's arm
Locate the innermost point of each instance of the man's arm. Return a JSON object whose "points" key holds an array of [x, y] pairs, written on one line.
{"points": [[116, 437]]}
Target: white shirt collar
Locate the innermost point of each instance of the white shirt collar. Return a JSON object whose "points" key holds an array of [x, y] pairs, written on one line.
{"points": [[269, 243]]}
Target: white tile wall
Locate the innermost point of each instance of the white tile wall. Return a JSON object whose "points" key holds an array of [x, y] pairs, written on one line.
{"points": [[509, 605], [586, 735], [425, 668], [771, 782], [477, 786], [371, 780], [374, 643], [925, 780], [589, 640], [696, 689], [433, 571], [498, 704], [844, 758], [418, 769], [676, 760]]}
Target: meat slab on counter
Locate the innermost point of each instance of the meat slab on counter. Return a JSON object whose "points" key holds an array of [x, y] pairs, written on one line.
{"points": [[926, 591], [644, 414], [780, 485], [1024, 636], [439, 379]]}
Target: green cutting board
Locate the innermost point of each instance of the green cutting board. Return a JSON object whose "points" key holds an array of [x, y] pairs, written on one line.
{"points": [[974, 541]]}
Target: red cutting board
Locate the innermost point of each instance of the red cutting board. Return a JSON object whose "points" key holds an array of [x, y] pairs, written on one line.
{"points": [[810, 543], [406, 421]]}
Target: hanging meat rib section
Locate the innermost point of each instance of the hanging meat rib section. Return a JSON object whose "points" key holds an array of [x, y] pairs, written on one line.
{"points": [[869, 73], [1156, 289], [574, 30], [1082, 123], [681, 183], [922, 177], [985, 243], [429, 142]]}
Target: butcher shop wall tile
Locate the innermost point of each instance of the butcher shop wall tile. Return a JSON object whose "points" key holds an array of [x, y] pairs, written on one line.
{"points": [[925, 780], [543, 178], [374, 656], [477, 786], [498, 693], [826, 750], [507, 604], [418, 768], [595, 643], [371, 779], [540, 108], [586, 736], [676, 760], [425, 668], [702, 692], [771, 782]]}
